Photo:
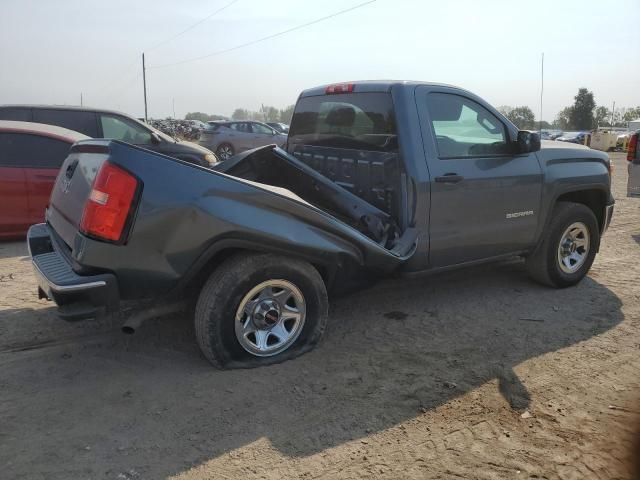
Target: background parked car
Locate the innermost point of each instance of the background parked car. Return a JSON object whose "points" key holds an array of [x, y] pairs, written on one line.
{"points": [[573, 137], [109, 124], [633, 156], [280, 127], [229, 138], [30, 156], [556, 134]]}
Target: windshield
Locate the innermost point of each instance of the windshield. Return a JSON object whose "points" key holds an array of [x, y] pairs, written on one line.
{"points": [[363, 121]]}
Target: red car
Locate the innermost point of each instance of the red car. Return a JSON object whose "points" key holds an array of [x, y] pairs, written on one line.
{"points": [[30, 156]]}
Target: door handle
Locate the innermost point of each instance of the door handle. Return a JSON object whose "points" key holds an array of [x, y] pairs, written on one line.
{"points": [[449, 178]]}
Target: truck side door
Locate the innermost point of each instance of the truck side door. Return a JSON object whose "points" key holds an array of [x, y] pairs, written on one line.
{"points": [[485, 198]]}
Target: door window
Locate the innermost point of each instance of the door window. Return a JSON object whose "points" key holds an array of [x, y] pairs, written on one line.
{"points": [[77, 120], [240, 127], [26, 150], [119, 128], [261, 129], [464, 128]]}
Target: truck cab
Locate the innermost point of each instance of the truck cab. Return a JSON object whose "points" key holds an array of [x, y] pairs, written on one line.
{"points": [[438, 158]]}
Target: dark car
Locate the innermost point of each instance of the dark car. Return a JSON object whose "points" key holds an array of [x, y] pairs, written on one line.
{"points": [[30, 157], [229, 138], [280, 127], [97, 123], [378, 179]]}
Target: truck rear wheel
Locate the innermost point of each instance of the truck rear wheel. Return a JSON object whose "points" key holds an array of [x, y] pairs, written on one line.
{"points": [[568, 248], [260, 309]]}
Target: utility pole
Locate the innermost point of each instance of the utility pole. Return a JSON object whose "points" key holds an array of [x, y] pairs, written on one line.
{"points": [[612, 112], [81, 99], [174, 108], [541, 93], [144, 84]]}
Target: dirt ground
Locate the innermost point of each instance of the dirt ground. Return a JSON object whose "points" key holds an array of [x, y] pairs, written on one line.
{"points": [[472, 374]]}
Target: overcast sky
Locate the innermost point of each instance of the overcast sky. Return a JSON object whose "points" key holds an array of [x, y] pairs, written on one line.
{"points": [[51, 51]]}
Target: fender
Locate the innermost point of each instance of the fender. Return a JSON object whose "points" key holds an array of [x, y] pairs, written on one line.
{"points": [[576, 171]]}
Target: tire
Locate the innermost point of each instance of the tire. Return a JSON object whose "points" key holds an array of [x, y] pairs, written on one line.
{"points": [[250, 279], [549, 264], [225, 151]]}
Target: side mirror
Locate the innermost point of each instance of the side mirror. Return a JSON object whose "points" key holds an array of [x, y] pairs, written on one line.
{"points": [[528, 141], [155, 138]]}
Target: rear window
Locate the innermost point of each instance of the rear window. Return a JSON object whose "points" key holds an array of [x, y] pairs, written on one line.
{"points": [[78, 120], [31, 151], [18, 114], [362, 121]]}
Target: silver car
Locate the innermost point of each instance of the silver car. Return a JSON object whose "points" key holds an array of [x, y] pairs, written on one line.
{"points": [[229, 138]]}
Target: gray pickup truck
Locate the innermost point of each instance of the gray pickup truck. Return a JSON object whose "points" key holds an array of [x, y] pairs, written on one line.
{"points": [[377, 179]]}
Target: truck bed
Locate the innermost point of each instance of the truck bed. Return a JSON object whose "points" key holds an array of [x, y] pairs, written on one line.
{"points": [[186, 215]]}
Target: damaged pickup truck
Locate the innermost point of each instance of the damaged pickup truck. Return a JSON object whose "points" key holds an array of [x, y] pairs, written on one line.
{"points": [[378, 178]]}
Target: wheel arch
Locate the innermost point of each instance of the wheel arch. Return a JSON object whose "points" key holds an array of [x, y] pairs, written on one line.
{"points": [[593, 198], [215, 255]]}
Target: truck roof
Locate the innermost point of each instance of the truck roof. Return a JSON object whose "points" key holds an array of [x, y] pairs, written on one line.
{"points": [[375, 86]]}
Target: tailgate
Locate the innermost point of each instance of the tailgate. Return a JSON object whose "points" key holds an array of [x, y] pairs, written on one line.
{"points": [[73, 186]]}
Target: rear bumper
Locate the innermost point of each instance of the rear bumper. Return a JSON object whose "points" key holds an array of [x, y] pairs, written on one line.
{"points": [[77, 296]]}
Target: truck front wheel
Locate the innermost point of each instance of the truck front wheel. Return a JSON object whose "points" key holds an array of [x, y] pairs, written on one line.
{"points": [[260, 309], [568, 248]]}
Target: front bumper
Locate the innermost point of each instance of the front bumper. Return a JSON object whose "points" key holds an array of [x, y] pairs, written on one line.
{"points": [[608, 213], [77, 296]]}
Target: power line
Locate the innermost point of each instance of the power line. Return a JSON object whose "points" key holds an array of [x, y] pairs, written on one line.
{"points": [[268, 37], [191, 27], [136, 62]]}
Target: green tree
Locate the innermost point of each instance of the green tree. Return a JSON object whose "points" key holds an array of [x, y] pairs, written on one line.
{"points": [[522, 117], [203, 117], [286, 114], [631, 114], [603, 117], [240, 114], [563, 119], [582, 110], [505, 110], [271, 114], [544, 124]]}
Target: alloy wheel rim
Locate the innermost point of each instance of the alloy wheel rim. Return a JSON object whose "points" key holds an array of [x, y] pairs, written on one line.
{"points": [[573, 249], [225, 152], [270, 318]]}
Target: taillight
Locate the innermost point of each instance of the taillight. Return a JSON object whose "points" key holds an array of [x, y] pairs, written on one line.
{"points": [[109, 204], [339, 88], [632, 148]]}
